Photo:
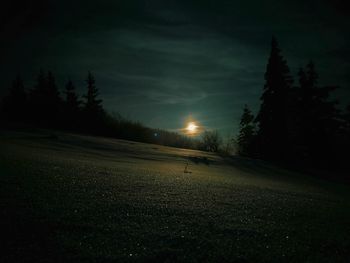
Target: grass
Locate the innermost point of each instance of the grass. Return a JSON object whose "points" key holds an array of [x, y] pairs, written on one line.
{"points": [[70, 198]]}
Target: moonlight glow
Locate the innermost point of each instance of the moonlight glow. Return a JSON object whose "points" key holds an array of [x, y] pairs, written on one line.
{"points": [[191, 128]]}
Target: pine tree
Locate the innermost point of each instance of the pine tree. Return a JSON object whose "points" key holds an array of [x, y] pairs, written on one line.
{"points": [[347, 117], [93, 105], [305, 108], [72, 106], [318, 116], [53, 100], [72, 101], [45, 101], [38, 90], [15, 103], [247, 133], [94, 115], [51, 88], [273, 117]]}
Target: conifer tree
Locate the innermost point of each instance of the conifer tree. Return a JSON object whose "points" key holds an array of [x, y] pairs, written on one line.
{"points": [[273, 115], [94, 115], [72, 106], [247, 134], [51, 89], [318, 115], [53, 100], [93, 105], [36, 98], [72, 101], [15, 103], [45, 101], [347, 117]]}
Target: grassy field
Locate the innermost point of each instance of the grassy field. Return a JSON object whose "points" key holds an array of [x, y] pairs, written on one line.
{"points": [[70, 198]]}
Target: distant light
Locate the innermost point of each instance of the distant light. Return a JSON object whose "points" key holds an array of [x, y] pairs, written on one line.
{"points": [[191, 128], [155, 134]]}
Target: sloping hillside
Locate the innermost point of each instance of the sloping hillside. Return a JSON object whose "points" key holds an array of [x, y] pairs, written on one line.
{"points": [[70, 198]]}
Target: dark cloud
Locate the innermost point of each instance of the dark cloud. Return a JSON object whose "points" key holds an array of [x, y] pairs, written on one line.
{"points": [[161, 61]]}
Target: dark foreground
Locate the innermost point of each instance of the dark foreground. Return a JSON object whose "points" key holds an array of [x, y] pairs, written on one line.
{"points": [[69, 198]]}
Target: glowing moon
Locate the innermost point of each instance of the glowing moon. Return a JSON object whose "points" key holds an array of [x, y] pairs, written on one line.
{"points": [[191, 128]]}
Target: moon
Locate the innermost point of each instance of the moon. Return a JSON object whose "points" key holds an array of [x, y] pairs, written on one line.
{"points": [[191, 128]]}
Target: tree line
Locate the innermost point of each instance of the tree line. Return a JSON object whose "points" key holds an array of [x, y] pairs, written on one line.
{"points": [[297, 123], [43, 105]]}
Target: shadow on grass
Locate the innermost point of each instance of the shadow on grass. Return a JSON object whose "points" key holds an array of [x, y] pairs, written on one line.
{"points": [[199, 160]]}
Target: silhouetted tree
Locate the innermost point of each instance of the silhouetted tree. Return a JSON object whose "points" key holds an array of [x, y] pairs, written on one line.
{"points": [[36, 99], [211, 141], [229, 144], [93, 110], [342, 140], [72, 106], [247, 133], [347, 116], [92, 104], [72, 100], [346, 125], [318, 115], [45, 101], [15, 103], [54, 101], [46, 109], [272, 118]]}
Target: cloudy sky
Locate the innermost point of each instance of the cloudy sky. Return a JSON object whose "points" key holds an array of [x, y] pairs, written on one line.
{"points": [[162, 61]]}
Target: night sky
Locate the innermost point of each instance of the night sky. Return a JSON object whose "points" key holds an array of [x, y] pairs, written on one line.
{"points": [[162, 61]]}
